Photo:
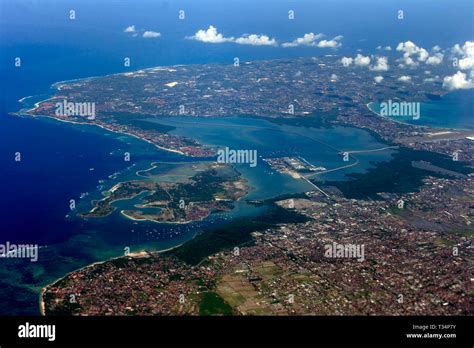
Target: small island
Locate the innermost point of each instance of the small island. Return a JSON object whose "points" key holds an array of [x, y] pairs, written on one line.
{"points": [[213, 190]]}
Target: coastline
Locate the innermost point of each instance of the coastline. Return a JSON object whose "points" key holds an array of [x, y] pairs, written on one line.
{"points": [[143, 253], [154, 165], [110, 203], [42, 308], [138, 254], [106, 129], [41, 301], [162, 222], [423, 126], [392, 119]]}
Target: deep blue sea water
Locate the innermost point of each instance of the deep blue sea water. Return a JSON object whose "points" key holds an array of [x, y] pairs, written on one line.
{"points": [[57, 158]]}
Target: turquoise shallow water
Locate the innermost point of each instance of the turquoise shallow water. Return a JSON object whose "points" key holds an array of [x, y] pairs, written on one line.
{"points": [[319, 146], [98, 239], [453, 110]]}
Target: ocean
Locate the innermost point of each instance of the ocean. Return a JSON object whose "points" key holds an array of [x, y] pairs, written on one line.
{"points": [[62, 162]]}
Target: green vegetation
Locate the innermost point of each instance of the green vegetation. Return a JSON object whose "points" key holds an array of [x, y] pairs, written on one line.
{"points": [[65, 308], [139, 121], [125, 190], [120, 262], [397, 175], [158, 194], [317, 119], [203, 188], [213, 304], [233, 234], [176, 276]]}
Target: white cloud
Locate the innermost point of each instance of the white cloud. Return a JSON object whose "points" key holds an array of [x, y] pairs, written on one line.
{"points": [[467, 54], [404, 78], [151, 34], [130, 29], [308, 39], [413, 54], [462, 80], [210, 36], [346, 61], [436, 59], [378, 79], [461, 50], [328, 44], [458, 81], [256, 40], [423, 55], [466, 63], [408, 47], [311, 39], [410, 62], [361, 60], [381, 64]]}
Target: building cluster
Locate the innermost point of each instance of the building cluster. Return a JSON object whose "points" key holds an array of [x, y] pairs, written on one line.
{"points": [[417, 261]]}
